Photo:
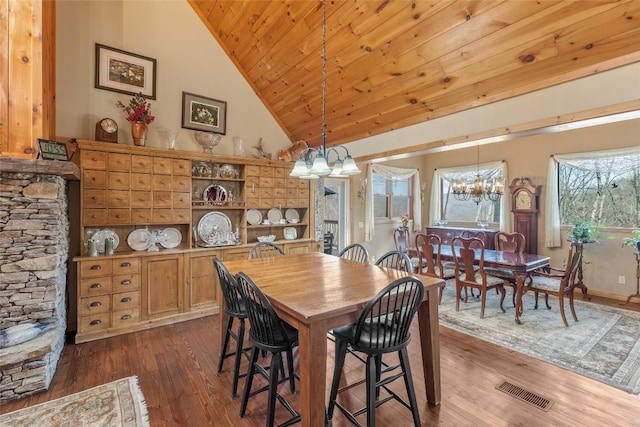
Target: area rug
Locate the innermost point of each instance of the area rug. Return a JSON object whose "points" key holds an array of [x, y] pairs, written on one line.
{"points": [[604, 344], [118, 403]]}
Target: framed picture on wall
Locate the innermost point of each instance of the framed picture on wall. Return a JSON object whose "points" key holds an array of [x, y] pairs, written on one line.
{"points": [[125, 72], [202, 113]]}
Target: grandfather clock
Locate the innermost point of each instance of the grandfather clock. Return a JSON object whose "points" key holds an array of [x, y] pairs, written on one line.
{"points": [[525, 198]]}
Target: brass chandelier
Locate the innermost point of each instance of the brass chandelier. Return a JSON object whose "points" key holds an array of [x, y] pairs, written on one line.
{"points": [[480, 189]]}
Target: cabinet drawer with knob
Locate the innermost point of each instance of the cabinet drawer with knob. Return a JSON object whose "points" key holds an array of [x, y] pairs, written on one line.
{"points": [[94, 305], [125, 283], [95, 268], [125, 300], [94, 323], [126, 266], [125, 318], [95, 286]]}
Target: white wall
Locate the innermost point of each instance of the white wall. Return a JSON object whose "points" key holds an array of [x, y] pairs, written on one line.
{"points": [[188, 57]]}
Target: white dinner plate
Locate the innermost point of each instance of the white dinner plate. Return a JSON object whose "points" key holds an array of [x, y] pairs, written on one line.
{"points": [[290, 233], [274, 215], [172, 238], [291, 214], [101, 235], [213, 227], [139, 240], [254, 217]]}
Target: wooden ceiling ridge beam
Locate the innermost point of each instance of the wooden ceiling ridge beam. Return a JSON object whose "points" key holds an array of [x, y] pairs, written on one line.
{"points": [[628, 110]]}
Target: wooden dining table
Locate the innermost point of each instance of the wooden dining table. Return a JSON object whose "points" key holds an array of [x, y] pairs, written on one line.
{"points": [[520, 264], [315, 293]]}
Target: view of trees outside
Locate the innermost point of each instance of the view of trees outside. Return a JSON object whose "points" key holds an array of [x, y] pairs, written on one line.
{"points": [[608, 197], [391, 198], [466, 210]]}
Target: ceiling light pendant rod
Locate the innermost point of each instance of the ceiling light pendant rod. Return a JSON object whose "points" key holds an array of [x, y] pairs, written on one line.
{"points": [[304, 168]]}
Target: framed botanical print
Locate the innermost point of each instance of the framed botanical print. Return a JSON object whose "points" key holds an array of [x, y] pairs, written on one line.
{"points": [[202, 113], [125, 72]]}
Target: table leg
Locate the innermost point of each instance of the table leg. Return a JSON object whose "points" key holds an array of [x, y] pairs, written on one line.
{"points": [[520, 278], [312, 339], [430, 342]]}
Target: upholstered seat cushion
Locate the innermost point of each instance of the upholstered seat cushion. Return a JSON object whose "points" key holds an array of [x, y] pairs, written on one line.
{"points": [[491, 280], [499, 272], [544, 283]]}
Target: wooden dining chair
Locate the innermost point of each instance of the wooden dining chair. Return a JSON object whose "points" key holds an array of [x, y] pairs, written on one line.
{"points": [[397, 260], [355, 252], [468, 277], [559, 282], [269, 334], [430, 264], [402, 240], [265, 250], [328, 242], [234, 308], [507, 242], [383, 327]]}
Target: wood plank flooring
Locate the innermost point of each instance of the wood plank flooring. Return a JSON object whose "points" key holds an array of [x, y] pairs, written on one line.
{"points": [[176, 367]]}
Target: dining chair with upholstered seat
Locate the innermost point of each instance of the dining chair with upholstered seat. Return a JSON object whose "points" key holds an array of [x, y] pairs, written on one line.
{"points": [[269, 334], [397, 260], [383, 327], [234, 308], [469, 277], [507, 242], [355, 252], [559, 282], [265, 250], [429, 246]]}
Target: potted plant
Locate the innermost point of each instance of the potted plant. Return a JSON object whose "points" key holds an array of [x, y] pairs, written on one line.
{"points": [[584, 231], [633, 241]]}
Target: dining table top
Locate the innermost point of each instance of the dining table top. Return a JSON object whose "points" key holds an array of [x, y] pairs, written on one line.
{"points": [[316, 292], [517, 262]]}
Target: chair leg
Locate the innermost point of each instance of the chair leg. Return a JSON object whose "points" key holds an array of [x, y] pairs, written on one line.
{"points": [[225, 342], [378, 373], [536, 305], [484, 302], [274, 372], [292, 378], [236, 368], [573, 310], [561, 304], [503, 293], [341, 352], [458, 290], [546, 301], [249, 380], [371, 391], [408, 381]]}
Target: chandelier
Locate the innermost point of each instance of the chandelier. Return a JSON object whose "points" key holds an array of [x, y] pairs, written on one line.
{"points": [[480, 189], [304, 167]]}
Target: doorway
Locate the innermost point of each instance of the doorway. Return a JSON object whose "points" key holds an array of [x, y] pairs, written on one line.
{"points": [[336, 206]]}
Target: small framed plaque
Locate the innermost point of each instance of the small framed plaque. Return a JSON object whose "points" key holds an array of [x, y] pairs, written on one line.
{"points": [[52, 150]]}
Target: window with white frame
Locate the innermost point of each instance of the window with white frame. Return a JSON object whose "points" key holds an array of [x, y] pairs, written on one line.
{"points": [[391, 197], [602, 187], [604, 191], [454, 210]]}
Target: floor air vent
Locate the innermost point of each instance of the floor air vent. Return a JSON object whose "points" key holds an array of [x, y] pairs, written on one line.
{"points": [[525, 395]]}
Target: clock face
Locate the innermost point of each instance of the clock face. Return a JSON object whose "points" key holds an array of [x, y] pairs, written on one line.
{"points": [[109, 125], [523, 200]]}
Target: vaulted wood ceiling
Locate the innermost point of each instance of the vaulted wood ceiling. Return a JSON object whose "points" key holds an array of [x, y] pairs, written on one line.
{"points": [[396, 63]]}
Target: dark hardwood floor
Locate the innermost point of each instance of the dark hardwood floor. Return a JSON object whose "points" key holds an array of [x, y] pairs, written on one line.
{"points": [[176, 368]]}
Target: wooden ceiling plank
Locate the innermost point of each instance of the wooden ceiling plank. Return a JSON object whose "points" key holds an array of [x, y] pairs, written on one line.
{"points": [[241, 36], [259, 24]]}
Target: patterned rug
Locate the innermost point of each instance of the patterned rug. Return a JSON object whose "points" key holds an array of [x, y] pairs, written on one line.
{"points": [[604, 344], [119, 403]]}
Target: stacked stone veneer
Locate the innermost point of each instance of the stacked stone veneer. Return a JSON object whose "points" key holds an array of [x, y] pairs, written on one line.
{"points": [[34, 245]]}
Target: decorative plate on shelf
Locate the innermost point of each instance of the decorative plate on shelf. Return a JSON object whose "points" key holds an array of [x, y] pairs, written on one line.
{"points": [[215, 194], [291, 214], [274, 215], [139, 240], [172, 238], [101, 235], [254, 217], [290, 233], [213, 227]]}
